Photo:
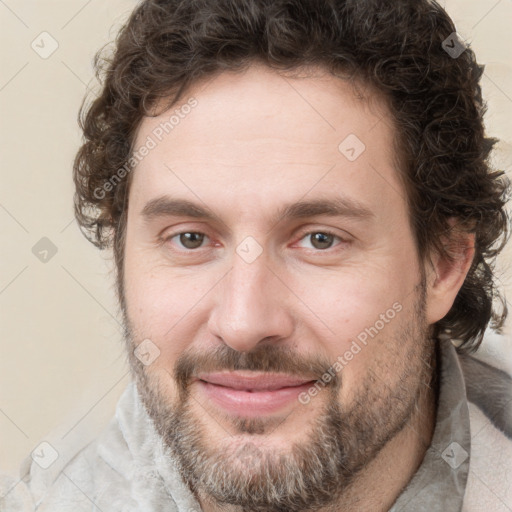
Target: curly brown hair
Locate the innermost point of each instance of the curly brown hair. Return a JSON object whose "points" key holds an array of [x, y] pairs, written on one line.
{"points": [[395, 45]]}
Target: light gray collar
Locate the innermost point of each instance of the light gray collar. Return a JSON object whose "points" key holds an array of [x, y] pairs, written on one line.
{"points": [[442, 476]]}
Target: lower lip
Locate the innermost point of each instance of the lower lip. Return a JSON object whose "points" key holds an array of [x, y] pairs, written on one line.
{"points": [[252, 403]]}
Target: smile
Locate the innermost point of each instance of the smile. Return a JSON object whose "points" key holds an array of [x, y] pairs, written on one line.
{"points": [[251, 395]]}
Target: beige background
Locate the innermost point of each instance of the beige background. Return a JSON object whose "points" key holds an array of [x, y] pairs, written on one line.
{"points": [[62, 366]]}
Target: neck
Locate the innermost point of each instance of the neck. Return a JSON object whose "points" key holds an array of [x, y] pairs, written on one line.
{"points": [[381, 482]]}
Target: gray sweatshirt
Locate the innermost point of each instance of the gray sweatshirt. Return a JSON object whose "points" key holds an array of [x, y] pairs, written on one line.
{"points": [[468, 466]]}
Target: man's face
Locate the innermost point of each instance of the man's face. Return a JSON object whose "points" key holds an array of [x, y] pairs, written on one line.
{"points": [[249, 307]]}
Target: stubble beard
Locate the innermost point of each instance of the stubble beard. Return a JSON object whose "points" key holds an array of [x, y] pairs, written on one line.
{"points": [[311, 474]]}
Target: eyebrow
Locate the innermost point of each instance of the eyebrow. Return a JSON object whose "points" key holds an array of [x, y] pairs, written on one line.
{"points": [[166, 206]]}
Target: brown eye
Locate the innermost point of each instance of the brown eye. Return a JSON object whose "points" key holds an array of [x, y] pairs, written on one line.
{"points": [[191, 240], [319, 240]]}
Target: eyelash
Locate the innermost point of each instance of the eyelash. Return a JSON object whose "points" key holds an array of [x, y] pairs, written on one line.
{"points": [[327, 232]]}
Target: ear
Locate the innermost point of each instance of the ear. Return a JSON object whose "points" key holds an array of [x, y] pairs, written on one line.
{"points": [[446, 275]]}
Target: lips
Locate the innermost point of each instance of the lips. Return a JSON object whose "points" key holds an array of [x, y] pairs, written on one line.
{"points": [[261, 382], [251, 394]]}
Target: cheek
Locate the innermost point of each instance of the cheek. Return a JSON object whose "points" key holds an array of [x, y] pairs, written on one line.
{"points": [[155, 300], [350, 302], [164, 308], [360, 320]]}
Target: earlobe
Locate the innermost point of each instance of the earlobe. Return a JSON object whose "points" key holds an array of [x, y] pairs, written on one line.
{"points": [[447, 274]]}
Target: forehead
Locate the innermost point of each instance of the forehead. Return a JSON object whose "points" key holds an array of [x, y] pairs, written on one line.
{"points": [[263, 136]]}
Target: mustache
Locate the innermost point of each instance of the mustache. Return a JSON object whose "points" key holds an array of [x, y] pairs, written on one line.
{"points": [[263, 358]]}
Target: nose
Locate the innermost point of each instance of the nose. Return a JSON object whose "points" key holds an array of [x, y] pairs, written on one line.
{"points": [[251, 305]]}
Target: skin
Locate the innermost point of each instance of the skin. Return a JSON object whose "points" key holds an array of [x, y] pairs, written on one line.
{"points": [[257, 141]]}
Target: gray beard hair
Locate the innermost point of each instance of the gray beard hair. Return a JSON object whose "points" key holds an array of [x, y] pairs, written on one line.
{"points": [[311, 475]]}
